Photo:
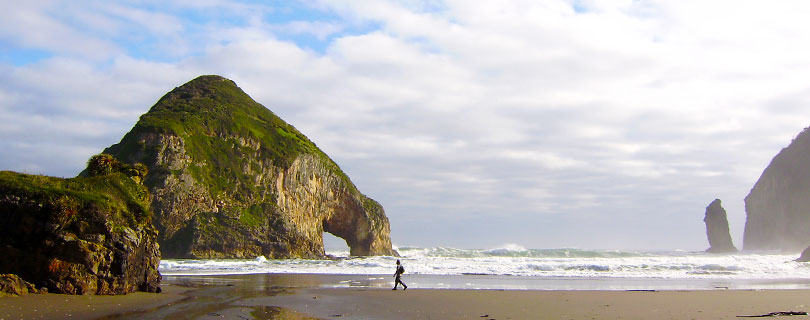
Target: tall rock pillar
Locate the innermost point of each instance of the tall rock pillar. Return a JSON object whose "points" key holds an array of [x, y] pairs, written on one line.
{"points": [[717, 229]]}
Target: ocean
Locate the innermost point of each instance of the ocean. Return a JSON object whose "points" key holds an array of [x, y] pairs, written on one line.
{"points": [[514, 267]]}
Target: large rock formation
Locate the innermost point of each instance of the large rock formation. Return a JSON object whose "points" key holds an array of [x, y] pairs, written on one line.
{"points": [[87, 235], [230, 179], [778, 206], [717, 229]]}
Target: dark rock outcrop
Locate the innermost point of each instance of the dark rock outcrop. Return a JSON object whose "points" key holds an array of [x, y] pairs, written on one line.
{"points": [[778, 206], [13, 285], [805, 256], [717, 229], [86, 235], [230, 179]]}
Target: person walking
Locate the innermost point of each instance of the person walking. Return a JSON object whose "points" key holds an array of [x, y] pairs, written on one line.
{"points": [[398, 276]]}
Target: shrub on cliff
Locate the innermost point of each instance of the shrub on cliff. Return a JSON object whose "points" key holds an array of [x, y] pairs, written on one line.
{"points": [[104, 164]]}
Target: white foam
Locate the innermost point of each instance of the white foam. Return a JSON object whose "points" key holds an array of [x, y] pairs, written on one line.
{"points": [[513, 247], [521, 262]]}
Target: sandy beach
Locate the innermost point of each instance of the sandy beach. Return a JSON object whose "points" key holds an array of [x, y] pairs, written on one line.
{"points": [[515, 304], [61, 306], [301, 297]]}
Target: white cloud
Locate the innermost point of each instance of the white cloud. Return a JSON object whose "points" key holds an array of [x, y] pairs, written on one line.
{"points": [[32, 25], [468, 110], [318, 29]]}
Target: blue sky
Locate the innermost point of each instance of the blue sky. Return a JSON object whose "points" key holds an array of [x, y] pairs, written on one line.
{"points": [[127, 26], [555, 123]]}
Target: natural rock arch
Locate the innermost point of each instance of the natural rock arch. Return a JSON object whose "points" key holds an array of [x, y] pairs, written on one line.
{"points": [[350, 225], [320, 201]]}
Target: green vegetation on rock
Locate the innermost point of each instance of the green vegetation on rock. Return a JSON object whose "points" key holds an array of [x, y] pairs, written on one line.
{"points": [[211, 114], [115, 192]]}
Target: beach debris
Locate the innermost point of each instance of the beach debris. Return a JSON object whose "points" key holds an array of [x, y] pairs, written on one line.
{"points": [[777, 314]]}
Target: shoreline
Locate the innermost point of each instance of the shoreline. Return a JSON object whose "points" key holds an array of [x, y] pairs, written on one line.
{"points": [[306, 296], [498, 282]]}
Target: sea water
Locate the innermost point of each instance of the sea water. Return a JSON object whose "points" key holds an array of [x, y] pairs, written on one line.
{"points": [[514, 267]]}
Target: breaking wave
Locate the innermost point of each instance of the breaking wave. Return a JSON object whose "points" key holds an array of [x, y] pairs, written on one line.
{"points": [[515, 260]]}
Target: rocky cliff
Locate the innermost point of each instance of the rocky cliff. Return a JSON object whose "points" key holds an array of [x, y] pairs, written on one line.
{"points": [[717, 229], [86, 235], [230, 179], [778, 206]]}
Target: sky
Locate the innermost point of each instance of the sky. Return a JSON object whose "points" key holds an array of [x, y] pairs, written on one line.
{"points": [[593, 124]]}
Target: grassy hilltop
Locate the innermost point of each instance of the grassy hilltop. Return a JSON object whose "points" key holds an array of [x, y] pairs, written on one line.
{"points": [[207, 113]]}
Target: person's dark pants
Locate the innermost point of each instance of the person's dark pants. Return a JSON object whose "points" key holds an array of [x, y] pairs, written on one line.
{"points": [[397, 282]]}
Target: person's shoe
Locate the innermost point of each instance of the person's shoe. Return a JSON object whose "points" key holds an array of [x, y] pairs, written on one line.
{"points": [[394, 289], [406, 288]]}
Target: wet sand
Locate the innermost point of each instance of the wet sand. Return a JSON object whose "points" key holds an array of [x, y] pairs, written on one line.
{"points": [[305, 297], [515, 304], [61, 306]]}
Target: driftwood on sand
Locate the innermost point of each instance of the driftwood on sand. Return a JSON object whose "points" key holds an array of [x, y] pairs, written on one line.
{"points": [[777, 314]]}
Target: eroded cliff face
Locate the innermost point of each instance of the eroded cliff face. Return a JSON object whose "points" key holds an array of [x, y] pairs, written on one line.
{"points": [[320, 201], [778, 206], [717, 229], [78, 236], [230, 179]]}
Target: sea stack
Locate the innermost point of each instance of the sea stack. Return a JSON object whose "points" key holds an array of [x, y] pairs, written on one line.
{"points": [[778, 206], [717, 229], [230, 179]]}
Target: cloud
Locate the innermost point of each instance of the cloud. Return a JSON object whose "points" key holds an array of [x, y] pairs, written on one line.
{"points": [[33, 25], [318, 29], [58, 112], [600, 116]]}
